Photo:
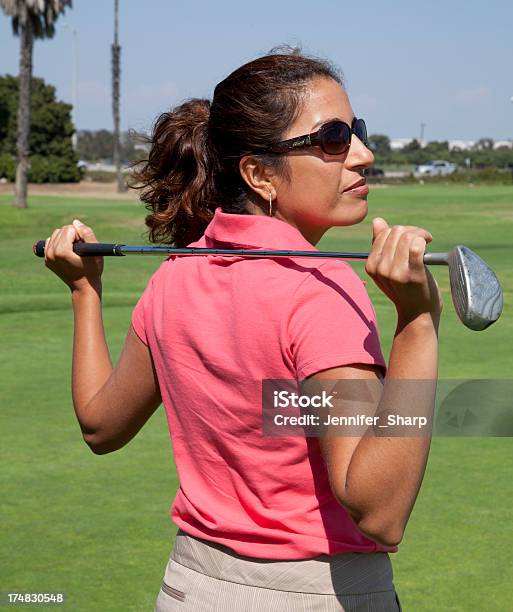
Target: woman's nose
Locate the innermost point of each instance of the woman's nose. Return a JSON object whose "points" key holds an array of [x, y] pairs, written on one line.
{"points": [[359, 155]]}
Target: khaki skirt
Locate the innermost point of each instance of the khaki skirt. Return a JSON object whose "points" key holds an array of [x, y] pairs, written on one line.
{"points": [[203, 576]]}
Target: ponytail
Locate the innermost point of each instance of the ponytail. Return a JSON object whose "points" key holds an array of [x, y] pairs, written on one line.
{"points": [[176, 181]]}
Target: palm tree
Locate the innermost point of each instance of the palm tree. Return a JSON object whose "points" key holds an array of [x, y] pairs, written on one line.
{"points": [[116, 78], [30, 19]]}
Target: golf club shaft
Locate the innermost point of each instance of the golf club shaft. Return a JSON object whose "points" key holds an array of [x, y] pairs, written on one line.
{"points": [[85, 249]]}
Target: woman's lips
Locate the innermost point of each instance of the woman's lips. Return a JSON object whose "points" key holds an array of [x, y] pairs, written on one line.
{"points": [[360, 192]]}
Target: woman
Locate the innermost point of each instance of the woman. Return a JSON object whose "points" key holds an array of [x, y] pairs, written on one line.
{"points": [[295, 523]]}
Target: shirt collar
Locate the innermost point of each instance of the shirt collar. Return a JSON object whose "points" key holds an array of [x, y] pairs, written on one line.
{"points": [[258, 231]]}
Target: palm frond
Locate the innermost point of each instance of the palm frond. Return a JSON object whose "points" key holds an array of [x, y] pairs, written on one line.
{"points": [[42, 13], [9, 7]]}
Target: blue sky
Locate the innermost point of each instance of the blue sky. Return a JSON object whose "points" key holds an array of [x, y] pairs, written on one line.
{"points": [[448, 64]]}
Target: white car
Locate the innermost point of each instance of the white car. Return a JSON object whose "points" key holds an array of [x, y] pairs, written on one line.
{"points": [[438, 167]]}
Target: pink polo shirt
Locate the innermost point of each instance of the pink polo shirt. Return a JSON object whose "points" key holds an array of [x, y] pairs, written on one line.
{"points": [[216, 327]]}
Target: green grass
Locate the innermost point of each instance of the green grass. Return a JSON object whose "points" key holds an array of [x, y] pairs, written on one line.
{"points": [[97, 527]]}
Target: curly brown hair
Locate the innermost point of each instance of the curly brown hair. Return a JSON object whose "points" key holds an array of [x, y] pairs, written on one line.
{"points": [[195, 149]]}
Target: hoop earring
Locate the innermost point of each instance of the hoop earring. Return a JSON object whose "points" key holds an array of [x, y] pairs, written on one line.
{"points": [[270, 203]]}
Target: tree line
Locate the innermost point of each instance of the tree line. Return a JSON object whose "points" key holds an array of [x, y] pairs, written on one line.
{"points": [[97, 145], [482, 155]]}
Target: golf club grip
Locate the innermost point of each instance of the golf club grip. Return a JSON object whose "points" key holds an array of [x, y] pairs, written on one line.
{"points": [[85, 249]]}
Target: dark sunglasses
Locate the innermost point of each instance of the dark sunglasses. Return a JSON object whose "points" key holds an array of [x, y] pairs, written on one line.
{"points": [[334, 138]]}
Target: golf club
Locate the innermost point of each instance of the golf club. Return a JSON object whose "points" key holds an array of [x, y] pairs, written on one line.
{"points": [[475, 290]]}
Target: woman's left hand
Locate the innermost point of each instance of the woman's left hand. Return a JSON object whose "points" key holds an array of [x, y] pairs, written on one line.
{"points": [[79, 273]]}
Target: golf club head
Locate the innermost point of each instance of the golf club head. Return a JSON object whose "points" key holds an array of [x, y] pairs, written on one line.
{"points": [[476, 291]]}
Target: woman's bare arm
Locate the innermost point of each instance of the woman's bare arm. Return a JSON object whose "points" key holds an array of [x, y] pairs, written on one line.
{"points": [[376, 478], [111, 403]]}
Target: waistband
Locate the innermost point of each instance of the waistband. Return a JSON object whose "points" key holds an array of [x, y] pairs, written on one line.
{"points": [[338, 574]]}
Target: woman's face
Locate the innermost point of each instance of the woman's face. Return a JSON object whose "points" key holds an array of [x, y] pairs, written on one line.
{"points": [[316, 195]]}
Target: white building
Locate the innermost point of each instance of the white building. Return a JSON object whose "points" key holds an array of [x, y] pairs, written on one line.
{"points": [[503, 143], [462, 145]]}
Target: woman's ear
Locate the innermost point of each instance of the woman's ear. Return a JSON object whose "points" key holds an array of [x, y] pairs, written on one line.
{"points": [[257, 176]]}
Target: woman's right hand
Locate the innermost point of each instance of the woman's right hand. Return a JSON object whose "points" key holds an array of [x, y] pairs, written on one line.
{"points": [[396, 265], [79, 273]]}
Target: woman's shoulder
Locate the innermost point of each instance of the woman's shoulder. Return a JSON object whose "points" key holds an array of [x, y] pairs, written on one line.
{"points": [[330, 270]]}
